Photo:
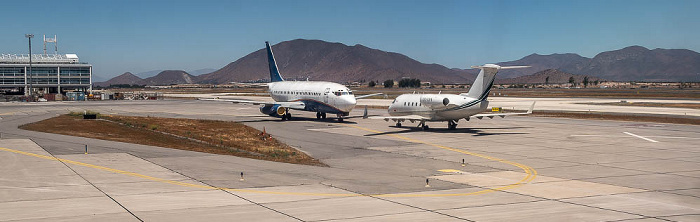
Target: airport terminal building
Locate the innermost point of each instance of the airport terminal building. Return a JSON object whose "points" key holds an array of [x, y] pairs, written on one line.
{"points": [[51, 73]]}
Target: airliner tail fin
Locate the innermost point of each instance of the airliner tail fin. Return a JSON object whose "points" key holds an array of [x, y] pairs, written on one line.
{"points": [[275, 75]]}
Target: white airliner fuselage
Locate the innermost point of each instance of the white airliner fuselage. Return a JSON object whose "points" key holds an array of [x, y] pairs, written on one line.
{"points": [[321, 97]]}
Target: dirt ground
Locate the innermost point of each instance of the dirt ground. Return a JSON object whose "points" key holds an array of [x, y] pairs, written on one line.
{"points": [[209, 136]]}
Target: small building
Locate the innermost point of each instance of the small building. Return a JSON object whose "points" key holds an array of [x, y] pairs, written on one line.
{"points": [[51, 73]]}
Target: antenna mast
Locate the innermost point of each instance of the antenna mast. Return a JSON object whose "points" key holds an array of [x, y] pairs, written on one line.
{"points": [[53, 40]]}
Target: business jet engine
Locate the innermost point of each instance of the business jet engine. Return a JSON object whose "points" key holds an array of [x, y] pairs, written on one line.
{"points": [[434, 101], [273, 110]]}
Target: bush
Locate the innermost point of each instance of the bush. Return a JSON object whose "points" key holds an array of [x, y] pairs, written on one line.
{"points": [[388, 83], [412, 83], [87, 112]]}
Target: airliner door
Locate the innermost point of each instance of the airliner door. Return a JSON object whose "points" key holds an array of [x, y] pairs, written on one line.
{"points": [[325, 95]]}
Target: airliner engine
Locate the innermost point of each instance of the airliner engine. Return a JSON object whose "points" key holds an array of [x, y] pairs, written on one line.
{"points": [[273, 110], [434, 101]]}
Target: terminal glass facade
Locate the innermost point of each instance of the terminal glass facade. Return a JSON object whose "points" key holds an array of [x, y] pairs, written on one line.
{"points": [[50, 73]]}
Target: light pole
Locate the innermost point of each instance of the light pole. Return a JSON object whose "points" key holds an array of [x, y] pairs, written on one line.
{"points": [[30, 36]]}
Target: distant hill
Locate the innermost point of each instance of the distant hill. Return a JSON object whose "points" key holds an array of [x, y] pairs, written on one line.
{"points": [[636, 63], [320, 60], [126, 78], [169, 77], [540, 63], [200, 71], [151, 73], [555, 76]]}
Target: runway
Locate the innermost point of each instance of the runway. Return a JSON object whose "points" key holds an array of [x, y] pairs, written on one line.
{"points": [[522, 103], [516, 169]]}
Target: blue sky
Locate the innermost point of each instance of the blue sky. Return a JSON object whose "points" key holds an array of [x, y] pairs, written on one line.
{"points": [[139, 36]]}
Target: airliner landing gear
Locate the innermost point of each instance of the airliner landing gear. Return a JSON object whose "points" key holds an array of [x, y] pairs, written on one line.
{"points": [[398, 124], [287, 116], [323, 115], [451, 125], [318, 115], [340, 118]]}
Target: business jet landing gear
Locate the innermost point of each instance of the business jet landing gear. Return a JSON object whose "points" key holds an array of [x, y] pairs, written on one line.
{"points": [[425, 127], [451, 125]]}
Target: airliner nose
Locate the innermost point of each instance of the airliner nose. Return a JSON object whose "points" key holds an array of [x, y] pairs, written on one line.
{"points": [[349, 102]]}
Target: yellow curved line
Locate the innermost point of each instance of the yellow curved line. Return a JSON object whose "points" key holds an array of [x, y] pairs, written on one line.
{"points": [[531, 174]]}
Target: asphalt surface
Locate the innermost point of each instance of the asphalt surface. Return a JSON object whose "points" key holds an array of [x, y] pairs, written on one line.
{"points": [[515, 169]]}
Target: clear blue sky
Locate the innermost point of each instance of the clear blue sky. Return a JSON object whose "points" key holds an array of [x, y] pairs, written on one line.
{"points": [[139, 36]]}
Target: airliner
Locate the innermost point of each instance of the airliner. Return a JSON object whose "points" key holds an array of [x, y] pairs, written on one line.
{"points": [[313, 96], [423, 108]]}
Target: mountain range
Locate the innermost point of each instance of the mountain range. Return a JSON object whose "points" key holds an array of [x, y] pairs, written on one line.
{"points": [[337, 62], [166, 77], [555, 77]]}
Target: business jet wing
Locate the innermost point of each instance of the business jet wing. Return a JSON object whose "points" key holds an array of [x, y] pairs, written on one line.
{"points": [[292, 105], [503, 115], [370, 95], [411, 118]]}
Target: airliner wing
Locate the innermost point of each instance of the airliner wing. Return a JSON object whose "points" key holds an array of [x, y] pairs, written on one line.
{"points": [[365, 96], [503, 115], [411, 118], [291, 105]]}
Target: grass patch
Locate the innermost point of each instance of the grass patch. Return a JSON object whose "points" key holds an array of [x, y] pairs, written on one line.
{"points": [[209, 136]]}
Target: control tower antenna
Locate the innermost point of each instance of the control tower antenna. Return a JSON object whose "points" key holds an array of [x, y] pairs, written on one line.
{"points": [[53, 40]]}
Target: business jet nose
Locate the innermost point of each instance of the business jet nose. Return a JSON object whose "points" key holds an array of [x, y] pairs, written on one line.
{"points": [[391, 109]]}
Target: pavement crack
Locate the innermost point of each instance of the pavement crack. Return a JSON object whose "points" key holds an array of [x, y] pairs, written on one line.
{"points": [[93, 185], [226, 191]]}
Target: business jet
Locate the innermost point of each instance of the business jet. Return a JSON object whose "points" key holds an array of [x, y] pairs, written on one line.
{"points": [[424, 108], [313, 96]]}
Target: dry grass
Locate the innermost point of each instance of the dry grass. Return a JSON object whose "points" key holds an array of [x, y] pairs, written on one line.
{"points": [[209, 136]]}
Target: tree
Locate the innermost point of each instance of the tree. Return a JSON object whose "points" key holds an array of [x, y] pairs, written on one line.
{"points": [[585, 82], [372, 84], [388, 83], [546, 80], [572, 81], [595, 82], [412, 83]]}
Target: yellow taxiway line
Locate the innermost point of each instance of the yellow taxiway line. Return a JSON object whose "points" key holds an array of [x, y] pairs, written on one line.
{"points": [[531, 174]]}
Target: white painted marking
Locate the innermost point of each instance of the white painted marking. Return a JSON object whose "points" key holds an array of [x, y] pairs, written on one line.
{"points": [[593, 136], [640, 137]]}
